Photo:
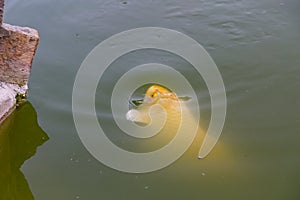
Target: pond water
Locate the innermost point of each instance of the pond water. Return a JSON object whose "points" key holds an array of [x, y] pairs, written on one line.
{"points": [[255, 45]]}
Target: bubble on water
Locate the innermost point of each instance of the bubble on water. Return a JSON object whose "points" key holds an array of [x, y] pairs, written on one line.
{"points": [[203, 174], [77, 35]]}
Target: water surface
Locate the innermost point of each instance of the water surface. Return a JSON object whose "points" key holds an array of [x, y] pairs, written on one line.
{"points": [[256, 46]]}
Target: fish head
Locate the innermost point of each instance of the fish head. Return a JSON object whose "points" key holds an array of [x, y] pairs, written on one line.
{"points": [[158, 95], [155, 95]]}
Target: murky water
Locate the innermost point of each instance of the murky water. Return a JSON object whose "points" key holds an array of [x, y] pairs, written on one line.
{"points": [[256, 46]]}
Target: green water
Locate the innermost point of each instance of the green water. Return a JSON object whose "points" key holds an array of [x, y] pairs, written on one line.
{"points": [[255, 45]]}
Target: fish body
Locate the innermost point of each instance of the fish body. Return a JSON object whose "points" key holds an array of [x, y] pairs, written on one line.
{"points": [[161, 104]]}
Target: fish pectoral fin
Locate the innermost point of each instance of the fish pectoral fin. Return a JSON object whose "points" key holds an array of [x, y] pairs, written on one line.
{"points": [[185, 98], [136, 102]]}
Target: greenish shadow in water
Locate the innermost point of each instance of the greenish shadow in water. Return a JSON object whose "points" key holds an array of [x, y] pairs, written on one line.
{"points": [[20, 135]]}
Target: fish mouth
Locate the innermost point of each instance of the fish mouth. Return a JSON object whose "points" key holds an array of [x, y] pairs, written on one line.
{"points": [[138, 117]]}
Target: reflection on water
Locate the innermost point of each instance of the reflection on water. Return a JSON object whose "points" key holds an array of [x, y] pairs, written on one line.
{"points": [[20, 135]]}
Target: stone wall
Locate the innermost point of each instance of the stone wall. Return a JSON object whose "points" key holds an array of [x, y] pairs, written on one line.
{"points": [[16, 54], [17, 48]]}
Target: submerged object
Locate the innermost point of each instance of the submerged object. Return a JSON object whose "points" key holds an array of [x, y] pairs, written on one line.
{"points": [[161, 104], [155, 95]]}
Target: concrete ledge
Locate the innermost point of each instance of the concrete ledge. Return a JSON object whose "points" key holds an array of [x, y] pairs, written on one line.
{"points": [[8, 98]]}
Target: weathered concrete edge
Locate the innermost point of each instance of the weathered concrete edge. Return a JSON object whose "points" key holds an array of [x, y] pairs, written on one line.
{"points": [[8, 98]]}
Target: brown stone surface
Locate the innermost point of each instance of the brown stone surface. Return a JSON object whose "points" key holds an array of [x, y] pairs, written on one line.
{"points": [[16, 54]]}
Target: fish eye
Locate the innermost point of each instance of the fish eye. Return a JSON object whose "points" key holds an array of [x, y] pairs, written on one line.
{"points": [[154, 95]]}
